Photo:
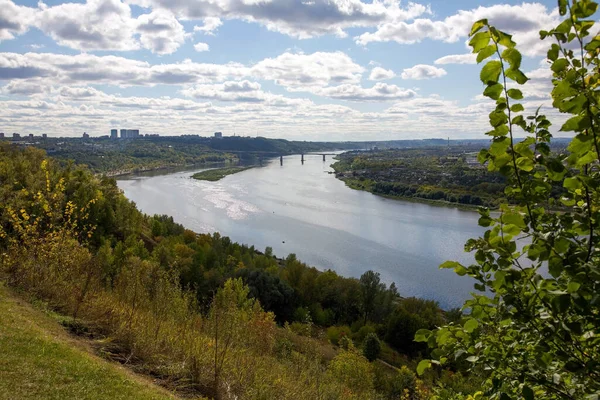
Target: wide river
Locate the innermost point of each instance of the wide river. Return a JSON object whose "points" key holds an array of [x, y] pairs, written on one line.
{"points": [[303, 209]]}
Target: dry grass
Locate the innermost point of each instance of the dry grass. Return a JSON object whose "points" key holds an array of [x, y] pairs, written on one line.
{"points": [[39, 360]]}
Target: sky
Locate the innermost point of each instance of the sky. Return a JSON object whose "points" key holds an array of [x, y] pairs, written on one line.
{"points": [[295, 69]]}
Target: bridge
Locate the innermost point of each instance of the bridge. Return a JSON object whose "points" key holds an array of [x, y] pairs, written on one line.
{"points": [[311, 154]]}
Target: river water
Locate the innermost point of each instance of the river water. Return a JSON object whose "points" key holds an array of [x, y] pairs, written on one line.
{"points": [[302, 209]]}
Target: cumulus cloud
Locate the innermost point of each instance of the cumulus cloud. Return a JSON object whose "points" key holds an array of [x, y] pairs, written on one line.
{"points": [[524, 20], [200, 47], [379, 92], [457, 59], [94, 25], [160, 32], [210, 25], [306, 71], [14, 19], [238, 91], [295, 72], [380, 74], [299, 19], [422, 71]]}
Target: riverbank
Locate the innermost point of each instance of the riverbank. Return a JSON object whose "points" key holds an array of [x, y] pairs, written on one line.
{"points": [[217, 174], [358, 185], [163, 167]]}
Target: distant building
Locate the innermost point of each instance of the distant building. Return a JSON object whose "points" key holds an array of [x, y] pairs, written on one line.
{"points": [[1, 135], [130, 133], [85, 135], [31, 136], [44, 136], [114, 134], [16, 136], [219, 135]]}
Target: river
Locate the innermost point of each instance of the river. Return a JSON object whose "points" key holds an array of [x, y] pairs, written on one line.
{"points": [[302, 209]]}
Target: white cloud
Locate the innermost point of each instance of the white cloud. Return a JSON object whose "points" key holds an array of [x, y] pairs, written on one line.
{"points": [[160, 32], [14, 19], [379, 92], [380, 74], [457, 59], [240, 92], [95, 25], [210, 25], [306, 71], [295, 72], [524, 20], [295, 18], [200, 47], [422, 71]]}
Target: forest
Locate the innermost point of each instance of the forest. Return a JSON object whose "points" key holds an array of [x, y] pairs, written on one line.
{"points": [[164, 294], [124, 156], [441, 174]]}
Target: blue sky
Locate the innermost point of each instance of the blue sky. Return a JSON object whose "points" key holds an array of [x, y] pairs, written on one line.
{"points": [[312, 69]]}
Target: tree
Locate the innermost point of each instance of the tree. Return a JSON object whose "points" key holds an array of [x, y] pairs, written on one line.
{"points": [[371, 286], [371, 347], [537, 333]]}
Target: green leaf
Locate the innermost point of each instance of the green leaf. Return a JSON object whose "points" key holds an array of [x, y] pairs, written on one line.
{"points": [[449, 264], [477, 26], [498, 118], [577, 123], [553, 52], [485, 221], [564, 27], [517, 108], [493, 91], [490, 73], [505, 39], [514, 219], [524, 164], [572, 287], [559, 65], [471, 325], [513, 57], [423, 365], [572, 184], [486, 52], [581, 144], [499, 146], [562, 6], [422, 335], [479, 41], [515, 94], [516, 75]]}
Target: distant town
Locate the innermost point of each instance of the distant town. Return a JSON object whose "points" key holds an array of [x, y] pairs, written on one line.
{"points": [[114, 134]]}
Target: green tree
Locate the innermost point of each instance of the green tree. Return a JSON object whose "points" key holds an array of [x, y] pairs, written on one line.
{"points": [[371, 347], [537, 334], [371, 286]]}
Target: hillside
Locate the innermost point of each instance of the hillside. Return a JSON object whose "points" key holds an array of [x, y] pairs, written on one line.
{"points": [[40, 360]]}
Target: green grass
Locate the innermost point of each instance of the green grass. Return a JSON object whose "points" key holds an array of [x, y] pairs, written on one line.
{"points": [[39, 360], [214, 175]]}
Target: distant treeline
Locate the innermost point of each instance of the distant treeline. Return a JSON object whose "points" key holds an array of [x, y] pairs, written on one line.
{"points": [[448, 174]]}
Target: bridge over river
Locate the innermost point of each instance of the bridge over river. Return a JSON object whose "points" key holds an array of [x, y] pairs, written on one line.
{"points": [[306, 155]]}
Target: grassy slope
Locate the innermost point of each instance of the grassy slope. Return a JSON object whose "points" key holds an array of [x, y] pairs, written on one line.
{"points": [[38, 360]]}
